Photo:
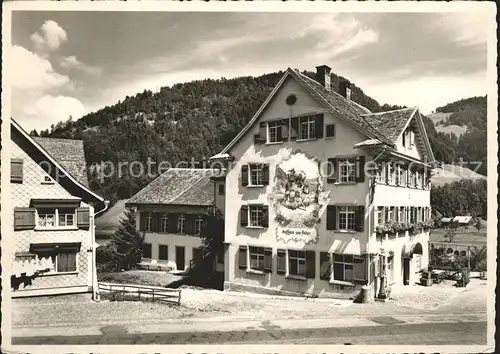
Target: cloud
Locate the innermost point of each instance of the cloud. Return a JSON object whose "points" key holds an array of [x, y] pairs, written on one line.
{"points": [[30, 71], [72, 62], [49, 37], [50, 109]]}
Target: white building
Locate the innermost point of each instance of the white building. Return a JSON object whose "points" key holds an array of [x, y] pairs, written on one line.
{"points": [[319, 190]]}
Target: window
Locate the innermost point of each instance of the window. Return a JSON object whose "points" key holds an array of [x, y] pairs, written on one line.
{"points": [[146, 250], [66, 217], [418, 180], [343, 266], [46, 217], [297, 263], [330, 130], [255, 215], [255, 175], [414, 179], [181, 223], [62, 261], [389, 214], [402, 214], [221, 189], [256, 258], [307, 128], [346, 218], [163, 252], [275, 131], [164, 223], [197, 224], [399, 175], [148, 222], [347, 170], [380, 215], [389, 174]]}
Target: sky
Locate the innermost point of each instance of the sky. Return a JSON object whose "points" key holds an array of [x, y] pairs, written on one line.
{"points": [[76, 62]]}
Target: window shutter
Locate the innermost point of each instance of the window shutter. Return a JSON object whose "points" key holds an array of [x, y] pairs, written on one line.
{"points": [[16, 170], [325, 266], [244, 215], [172, 223], [331, 217], [265, 174], [404, 139], [242, 257], [360, 269], [155, 222], [256, 139], [294, 125], [330, 130], [311, 264], [268, 260], [189, 224], [285, 129], [244, 175], [83, 217], [265, 216], [359, 218], [142, 218], [360, 169], [319, 126], [263, 132], [24, 218], [281, 262], [332, 171]]}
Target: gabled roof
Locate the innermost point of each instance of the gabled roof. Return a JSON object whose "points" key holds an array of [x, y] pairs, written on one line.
{"points": [[178, 186], [69, 153], [392, 123], [70, 182], [385, 127]]}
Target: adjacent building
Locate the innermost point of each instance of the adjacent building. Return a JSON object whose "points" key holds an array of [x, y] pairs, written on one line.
{"points": [[171, 210], [324, 196], [53, 209]]}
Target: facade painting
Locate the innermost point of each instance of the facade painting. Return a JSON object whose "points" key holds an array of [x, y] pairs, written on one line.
{"points": [[298, 198]]}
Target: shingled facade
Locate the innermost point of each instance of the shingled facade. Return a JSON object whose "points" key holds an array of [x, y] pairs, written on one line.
{"points": [[324, 196], [53, 239]]}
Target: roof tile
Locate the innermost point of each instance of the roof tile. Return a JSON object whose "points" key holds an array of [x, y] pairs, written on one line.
{"points": [[178, 186], [69, 153]]}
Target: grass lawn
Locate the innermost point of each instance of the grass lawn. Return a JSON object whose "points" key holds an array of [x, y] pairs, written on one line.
{"points": [[468, 236]]}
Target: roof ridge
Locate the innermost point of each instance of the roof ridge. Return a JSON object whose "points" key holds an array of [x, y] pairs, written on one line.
{"points": [[60, 139], [391, 111], [171, 201]]}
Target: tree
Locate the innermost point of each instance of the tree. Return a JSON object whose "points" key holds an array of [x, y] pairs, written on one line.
{"points": [[212, 237], [451, 231], [478, 224], [127, 242]]}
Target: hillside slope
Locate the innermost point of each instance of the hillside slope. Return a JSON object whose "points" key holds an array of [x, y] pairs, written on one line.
{"points": [[192, 121]]}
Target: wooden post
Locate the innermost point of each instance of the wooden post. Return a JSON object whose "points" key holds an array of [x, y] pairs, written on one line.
{"points": [[179, 300]]}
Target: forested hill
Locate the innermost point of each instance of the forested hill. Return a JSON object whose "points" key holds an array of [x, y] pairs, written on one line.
{"points": [[187, 121]]}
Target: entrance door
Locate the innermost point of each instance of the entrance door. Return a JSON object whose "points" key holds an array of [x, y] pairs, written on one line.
{"points": [[180, 257], [406, 271]]}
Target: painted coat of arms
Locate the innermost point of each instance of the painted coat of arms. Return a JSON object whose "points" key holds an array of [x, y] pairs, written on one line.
{"points": [[298, 198]]}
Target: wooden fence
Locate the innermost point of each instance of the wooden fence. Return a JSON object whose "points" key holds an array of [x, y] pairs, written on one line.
{"points": [[132, 291]]}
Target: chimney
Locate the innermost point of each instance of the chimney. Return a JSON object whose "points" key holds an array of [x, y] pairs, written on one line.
{"points": [[323, 76], [345, 89]]}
